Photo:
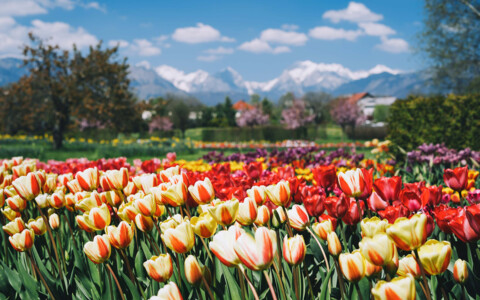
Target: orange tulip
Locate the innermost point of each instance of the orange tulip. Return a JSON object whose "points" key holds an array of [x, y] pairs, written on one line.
{"points": [[202, 191], [409, 234], [14, 226], [397, 288], [98, 250], [23, 240], [379, 249], [120, 236], [294, 249], [263, 216], [352, 265], [460, 271], [159, 268], [257, 253], [179, 239], [204, 225], [88, 179], [279, 193]]}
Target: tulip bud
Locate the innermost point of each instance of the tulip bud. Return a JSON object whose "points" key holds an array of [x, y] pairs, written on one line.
{"points": [[279, 193], [409, 234], [397, 288], [202, 191], [278, 217], [352, 265], [193, 270], [204, 225], [257, 253], [263, 216], [258, 193], [38, 226], [435, 256], [323, 228], [159, 268], [334, 245], [120, 236], [10, 214], [179, 239], [298, 217], [57, 199], [14, 226], [42, 200], [294, 249], [128, 212], [372, 226], [99, 250], [23, 240], [54, 221], [460, 271], [169, 291], [145, 224], [224, 212], [378, 250], [2, 197], [247, 212], [409, 265]]}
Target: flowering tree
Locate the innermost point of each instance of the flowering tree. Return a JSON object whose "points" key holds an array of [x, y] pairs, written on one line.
{"points": [[252, 117], [160, 123], [346, 113], [297, 115]]}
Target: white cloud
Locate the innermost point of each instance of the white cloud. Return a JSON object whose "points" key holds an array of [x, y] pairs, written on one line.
{"points": [[119, 43], [355, 12], [329, 33], [393, 45], [376, 29], [260, 46], [201, 33], [283, 37], [95, 5], [144, 47], [145, 64], [63, 34], [21, 8], [220, 50], [209, 58], [161, 39], [289, 27]]}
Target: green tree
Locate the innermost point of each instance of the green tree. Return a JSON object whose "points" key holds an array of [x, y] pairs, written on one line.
{"points": [[449, 37], [180, 115], [255, 99], [229, 112], [318, 102]]}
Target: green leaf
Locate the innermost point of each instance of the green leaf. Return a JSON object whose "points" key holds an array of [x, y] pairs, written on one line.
{"points": [[231, 283], [14, 279], [323, 291], [131, 287]]}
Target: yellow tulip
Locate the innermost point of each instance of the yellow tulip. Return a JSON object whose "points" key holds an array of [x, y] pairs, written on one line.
{"points": [[179, 239], [334, 245], [409, 234], [224, 212], [279, 193], [204, 225], [397, 288], [378, 250], [460, 271], [373, 226], [159, 268], [409, 265], [352, 265], [435, 256]]}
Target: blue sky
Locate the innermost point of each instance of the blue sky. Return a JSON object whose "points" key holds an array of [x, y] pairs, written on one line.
{"points": [[259, 39]]}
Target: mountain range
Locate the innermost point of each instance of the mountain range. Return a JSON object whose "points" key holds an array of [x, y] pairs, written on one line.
{"points": [[302, 77]]}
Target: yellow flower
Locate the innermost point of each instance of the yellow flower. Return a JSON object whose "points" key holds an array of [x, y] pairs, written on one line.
{"points": [[398, 288], [435, 256], [409, 234]]}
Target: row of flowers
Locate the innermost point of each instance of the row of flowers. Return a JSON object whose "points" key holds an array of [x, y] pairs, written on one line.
{"points": [[256, 227]]}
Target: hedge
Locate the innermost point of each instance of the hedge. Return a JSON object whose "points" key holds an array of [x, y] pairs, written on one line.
{"points": [[453, 120], [267, 133], [367, 132]]}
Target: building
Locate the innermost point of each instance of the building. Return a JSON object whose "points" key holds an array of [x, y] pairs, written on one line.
{"points": [[367, 102]]}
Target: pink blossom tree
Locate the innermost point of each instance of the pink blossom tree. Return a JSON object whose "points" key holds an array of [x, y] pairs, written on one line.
{"points": [[252, 117], [346, 113], [297, 115], [160, 123]]}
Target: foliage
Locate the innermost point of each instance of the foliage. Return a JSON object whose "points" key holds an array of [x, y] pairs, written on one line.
{"points": [[319, 103], [252, 117], [265, 133], [381, 112], [453, 120], [297, 115], [450, 30], [346, 113]]}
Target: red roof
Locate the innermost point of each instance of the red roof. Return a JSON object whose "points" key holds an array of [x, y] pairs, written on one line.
{"points": [[242, 105], [355, 97]]}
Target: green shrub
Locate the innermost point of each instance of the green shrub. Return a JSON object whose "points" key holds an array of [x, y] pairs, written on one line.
{"points": [[381, 112], [453, 120], [367, 132]]}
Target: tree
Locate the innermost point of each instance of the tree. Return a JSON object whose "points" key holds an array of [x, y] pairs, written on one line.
{"points": [[91, 89], [449, 38], [180, 115], [318, 102], [297, 115], [255, 99], [229, 112], [346, 113], [252, 117]]}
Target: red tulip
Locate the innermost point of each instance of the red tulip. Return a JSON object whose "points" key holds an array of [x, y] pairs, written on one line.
{"points": [[473, 215], [253, 169], [314, 204], [456, 179], [368, 180], [353, 216], [411, 199], [376, 203], [392, 213], [327, 217], [325, 176], [462, 228], [443, 215], [431, 195], [387, 188], [337, 206]]}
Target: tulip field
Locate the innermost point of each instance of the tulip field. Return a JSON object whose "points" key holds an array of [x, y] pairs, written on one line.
{"points": [[295, 223]]}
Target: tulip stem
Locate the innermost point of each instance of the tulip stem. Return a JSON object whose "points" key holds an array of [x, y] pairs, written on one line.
{"points": [[187, 212], [360, 297], [321, 249], [342, 232], [282, 289], [116, 281], [110, 286], [130, 272], [427, 288], [310, 288], [152, 243], [289, 228], [206, 248], [57, 235], [179, 273], [205, 283], [71, 231], [250, 285], [270, 286], [242, 283], [40, 274], [160, 234], [440, 281], [295, 281], [340, 279], [60, 273]]}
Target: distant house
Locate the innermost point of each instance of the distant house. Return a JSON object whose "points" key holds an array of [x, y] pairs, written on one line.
{"points": [[242, 105], [367, 102]]}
